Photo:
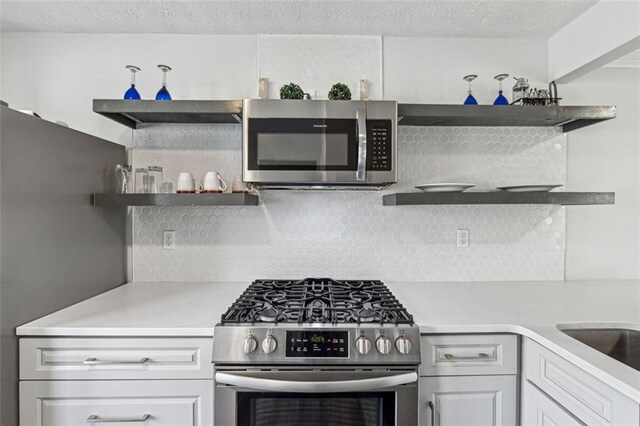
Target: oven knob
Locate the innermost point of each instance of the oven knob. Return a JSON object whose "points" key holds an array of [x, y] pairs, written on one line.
{"points": [[363, 345], [269, 344], [249, 345], [403, 345], [383, 344]]}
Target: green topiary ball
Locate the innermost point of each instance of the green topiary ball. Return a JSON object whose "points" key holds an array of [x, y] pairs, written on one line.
{"points": [[340, 92], [291, 91]]}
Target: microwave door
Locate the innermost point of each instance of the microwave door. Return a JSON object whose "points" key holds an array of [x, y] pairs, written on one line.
{"points": [[304, 150]]}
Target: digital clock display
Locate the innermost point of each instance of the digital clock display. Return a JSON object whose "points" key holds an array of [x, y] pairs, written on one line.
{"points": [[317, 344]]}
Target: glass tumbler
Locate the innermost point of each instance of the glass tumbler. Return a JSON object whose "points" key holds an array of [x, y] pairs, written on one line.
{"points": [[141, 178], [155, 179], [123, 178]]}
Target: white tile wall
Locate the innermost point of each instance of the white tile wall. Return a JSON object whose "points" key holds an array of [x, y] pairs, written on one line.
{"points": [[350, 234]]}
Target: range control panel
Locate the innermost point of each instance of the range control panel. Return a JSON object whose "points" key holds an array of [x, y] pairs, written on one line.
{"points": [[379, 145], [317, 344]]}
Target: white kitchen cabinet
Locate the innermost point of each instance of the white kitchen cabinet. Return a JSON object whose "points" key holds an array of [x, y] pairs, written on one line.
{"points": [[586, 397], [468, 354], [468, 401], [538, 409], [148, 402], [110, 358]]}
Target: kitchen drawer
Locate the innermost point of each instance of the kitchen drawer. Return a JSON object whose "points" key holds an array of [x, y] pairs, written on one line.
{"points": [[148, 402], [540, 410], [115, 358], [587, 398], [468, 354]]}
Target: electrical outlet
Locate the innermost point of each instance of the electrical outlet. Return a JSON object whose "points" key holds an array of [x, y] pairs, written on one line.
{"points": [[462, 238], [169, 240]]}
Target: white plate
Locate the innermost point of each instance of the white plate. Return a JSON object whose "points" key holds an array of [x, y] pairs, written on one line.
{"points": [[529, 188], [445, 187]]}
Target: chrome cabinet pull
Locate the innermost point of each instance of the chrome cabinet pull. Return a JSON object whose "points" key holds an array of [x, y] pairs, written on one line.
{"points": [[94, 418], [361, 118], [451, 357], [433, 413], [96, 361]]}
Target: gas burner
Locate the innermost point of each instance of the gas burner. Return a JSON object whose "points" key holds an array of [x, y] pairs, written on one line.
{"points": [[268, 315], [317, 300], [367, 315]]}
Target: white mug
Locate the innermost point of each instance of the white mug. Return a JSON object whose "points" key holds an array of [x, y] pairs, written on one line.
{"points": [[213, 182], [239, 186], [186, 183]]}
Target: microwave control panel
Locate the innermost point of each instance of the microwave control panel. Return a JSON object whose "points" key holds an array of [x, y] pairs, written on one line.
{"points": [[379, 145]]}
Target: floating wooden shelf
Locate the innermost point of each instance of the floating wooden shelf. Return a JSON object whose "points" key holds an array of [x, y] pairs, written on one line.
{"points": [[118, 200], [560, 198], [567, 117], [137, 113]]}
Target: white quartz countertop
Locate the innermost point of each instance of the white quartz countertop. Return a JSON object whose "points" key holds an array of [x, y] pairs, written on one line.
{"points": [[531, 309]]}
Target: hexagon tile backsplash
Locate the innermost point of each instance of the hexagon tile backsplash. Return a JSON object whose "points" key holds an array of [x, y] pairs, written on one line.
{"points": [[295, 234]]}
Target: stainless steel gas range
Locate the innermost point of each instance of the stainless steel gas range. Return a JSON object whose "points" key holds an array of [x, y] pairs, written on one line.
{"points": [[316, 352]]}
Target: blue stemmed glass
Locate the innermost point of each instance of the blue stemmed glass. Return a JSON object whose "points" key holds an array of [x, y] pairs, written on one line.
{"points": [[163, 93], [501, 100], [470, 99], [132, 93]]}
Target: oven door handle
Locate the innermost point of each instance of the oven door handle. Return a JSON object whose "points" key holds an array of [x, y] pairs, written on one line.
{"points": [[257, 383], [361, 121]]}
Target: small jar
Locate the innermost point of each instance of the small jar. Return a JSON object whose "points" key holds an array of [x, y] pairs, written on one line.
{"points": [[123, 178], [155, 179], [141, 178]]}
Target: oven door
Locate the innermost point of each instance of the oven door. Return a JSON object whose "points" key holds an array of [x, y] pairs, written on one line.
{"points": [[316, 398]]}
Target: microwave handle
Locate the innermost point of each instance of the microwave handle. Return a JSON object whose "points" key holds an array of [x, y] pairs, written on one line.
{"points": [[361, 122], [270, 385]]}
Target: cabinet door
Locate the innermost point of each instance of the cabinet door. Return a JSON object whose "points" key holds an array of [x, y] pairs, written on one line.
{"points": [[468, 401], [540, 410], [586, 397], [149, 402]]}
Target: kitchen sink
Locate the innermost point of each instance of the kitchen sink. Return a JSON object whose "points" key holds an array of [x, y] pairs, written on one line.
{"points": [[621, 344]]}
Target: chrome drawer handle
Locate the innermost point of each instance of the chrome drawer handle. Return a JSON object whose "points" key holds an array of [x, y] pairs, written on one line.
{"points": [[451, 357], [96, 361], [97, 419]]}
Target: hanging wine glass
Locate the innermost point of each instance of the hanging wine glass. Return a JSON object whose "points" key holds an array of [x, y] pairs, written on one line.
{"points": [[470, 99], [501, 100], [132, 93], [163, 93]]}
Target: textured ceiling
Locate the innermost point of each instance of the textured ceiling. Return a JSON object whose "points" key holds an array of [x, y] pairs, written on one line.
{"points": [[424, 18]]}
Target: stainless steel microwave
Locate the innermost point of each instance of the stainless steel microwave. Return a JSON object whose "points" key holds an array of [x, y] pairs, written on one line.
{"points": [[305, 144]]}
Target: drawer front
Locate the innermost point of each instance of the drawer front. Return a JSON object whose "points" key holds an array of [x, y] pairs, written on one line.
{"points": [[115, 358], [540, 410], [152, 403], [469, 354], [586, 397]]}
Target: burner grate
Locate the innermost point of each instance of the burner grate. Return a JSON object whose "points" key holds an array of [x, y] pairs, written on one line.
{"points": [[317, 300]]}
